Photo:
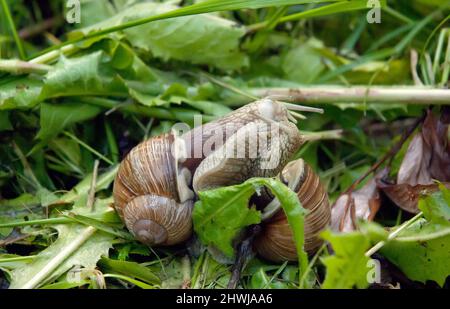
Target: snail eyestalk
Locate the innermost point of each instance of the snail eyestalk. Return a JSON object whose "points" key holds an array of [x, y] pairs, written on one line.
{"points": [[297, 115], [301, 108]]}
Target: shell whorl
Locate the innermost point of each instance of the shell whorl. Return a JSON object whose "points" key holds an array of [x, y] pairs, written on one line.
{"points": [[158, 220], [146, 190], [276, 240]]}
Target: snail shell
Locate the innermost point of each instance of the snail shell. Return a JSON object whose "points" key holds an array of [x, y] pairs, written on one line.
{"points": [[276, 242], [151, 193]]}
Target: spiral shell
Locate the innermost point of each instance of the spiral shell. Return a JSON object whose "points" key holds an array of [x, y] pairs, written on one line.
{"points": [[151, 193], [276, 242]]}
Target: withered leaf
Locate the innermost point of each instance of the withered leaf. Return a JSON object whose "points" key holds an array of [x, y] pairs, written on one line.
{"points": [[404, 195], [427, 159], [414, 167], [363, 204]]}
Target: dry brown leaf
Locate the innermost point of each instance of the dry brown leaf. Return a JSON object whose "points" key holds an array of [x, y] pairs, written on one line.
{"points": [[427, 159], [414, 167], [404, 195], [364, 204], [435, 135]]}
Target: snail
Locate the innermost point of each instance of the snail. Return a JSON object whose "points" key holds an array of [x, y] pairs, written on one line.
{"points": [[157, 182], [276, 242], [151, 194]]}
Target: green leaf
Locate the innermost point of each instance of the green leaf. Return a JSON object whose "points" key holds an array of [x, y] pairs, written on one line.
{"points": [[130, 269], [85, 255], [422, 251], [203, 39], [304, 63], [421, 260], [84, 75], [436, 207], [20, 93], [221, 213], [12, 261], [348, 268], [55, 117]]}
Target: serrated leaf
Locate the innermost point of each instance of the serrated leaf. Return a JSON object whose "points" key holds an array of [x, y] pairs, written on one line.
{"points": [[82, 75], [422, 251], [203, 39], [436, 207], [86, 255], [221, 213], [20, 93], [421, 260], [348, 267]]}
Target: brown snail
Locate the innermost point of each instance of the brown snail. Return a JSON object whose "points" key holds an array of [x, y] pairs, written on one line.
{"points": [[155, 185], [276, 241], [151, 193]]}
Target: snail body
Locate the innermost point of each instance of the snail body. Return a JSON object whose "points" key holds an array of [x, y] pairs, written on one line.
{"points": [[202, 141]]}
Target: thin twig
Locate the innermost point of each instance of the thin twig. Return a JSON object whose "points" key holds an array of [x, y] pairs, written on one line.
{"points": [[38, 28], [389, 155]]}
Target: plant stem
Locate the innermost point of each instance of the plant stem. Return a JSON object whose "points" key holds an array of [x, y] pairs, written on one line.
{"points": [[40, 27], [446, 65], [98, 154], [392, 235], [23, 67], [58, 220], [18, 259], [59, 258], [397, 15], [321, 135], [358, 94], [10, 21], [54, 54], [174, 113]]}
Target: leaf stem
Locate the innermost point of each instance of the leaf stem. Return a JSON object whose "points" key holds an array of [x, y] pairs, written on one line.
{"points": [[392, 235], [18, 259], [359, 94], [16, 37], [321, 135], [23, 67], [98, 154], [58, 220]]}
